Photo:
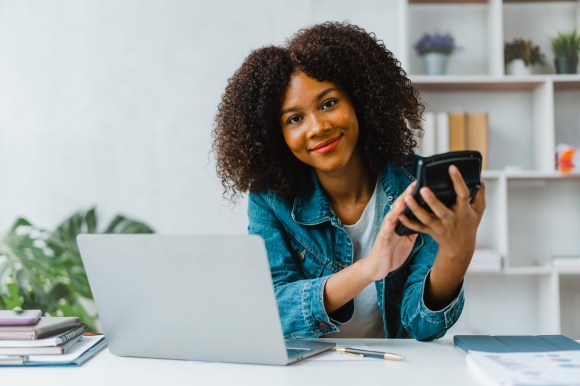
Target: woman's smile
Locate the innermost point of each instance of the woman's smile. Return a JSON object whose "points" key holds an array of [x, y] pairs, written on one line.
{"points": [[327, 146]]}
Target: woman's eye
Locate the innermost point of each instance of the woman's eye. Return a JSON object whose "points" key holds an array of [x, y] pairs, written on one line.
{"points": [[294, 119], [328, 104]]}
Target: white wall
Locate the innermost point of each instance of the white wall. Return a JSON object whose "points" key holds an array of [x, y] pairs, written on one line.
{"points": [[111, 102]]}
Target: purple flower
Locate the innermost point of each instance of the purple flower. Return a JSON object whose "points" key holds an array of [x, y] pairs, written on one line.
{"points": [[442, 43]]}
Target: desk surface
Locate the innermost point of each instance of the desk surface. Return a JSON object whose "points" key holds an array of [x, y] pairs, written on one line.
{"points": [[427, 363]]}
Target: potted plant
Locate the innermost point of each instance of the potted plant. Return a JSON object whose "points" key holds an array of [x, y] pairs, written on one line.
{"points": [[42, 269], [435, 49], [520, 55], [566, 47]]}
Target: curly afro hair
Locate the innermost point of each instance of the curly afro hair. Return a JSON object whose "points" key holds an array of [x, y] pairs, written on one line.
{"points": [[252, 155]]}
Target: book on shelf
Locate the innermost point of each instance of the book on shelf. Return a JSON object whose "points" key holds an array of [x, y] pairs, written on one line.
{"points": [[457, 139], [47, 326], [435, 138], [426, 145], [476, 134], [454, 131], [442, 129]]}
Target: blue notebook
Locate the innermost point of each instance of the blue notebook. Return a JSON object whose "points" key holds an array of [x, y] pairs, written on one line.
{"points": [[515, 343]]}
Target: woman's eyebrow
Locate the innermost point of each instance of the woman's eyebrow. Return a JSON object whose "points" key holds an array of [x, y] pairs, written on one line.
{"points": [[318, 97]]}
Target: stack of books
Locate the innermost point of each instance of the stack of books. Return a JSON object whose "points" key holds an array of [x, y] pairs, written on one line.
{"points": [[452, 131], [47, 341]]}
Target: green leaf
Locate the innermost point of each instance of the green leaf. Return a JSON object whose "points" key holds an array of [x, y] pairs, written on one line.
{"points": [[44, 269], [12, 298]]}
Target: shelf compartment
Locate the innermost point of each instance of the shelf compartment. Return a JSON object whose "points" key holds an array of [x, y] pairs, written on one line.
{"points": [[491, 230], [567, 115], [539, 22], [489, 307], [542, 209], [511, 131], [455, 18]]}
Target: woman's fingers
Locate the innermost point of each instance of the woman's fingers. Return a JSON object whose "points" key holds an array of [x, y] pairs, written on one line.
{"points": [[459, 185], [438, 210], [478, 203]]}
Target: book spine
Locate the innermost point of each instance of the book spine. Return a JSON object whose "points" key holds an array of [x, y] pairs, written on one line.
{"points": [[442, 132], [56, 328], [456, 131], [428, 142], [70, 334], [477, 133]]}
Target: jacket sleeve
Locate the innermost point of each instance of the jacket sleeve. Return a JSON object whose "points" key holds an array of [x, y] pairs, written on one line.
{"points": [[419, 321], [300, 299]]}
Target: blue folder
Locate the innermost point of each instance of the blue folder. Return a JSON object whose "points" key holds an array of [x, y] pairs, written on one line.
{"points": [[515, 343]]}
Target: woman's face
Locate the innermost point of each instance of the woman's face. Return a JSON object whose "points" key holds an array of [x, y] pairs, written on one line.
{"points": [[319, 123]]}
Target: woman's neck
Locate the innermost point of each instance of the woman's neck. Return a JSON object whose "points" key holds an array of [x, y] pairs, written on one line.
{"points": [[349, 190]]}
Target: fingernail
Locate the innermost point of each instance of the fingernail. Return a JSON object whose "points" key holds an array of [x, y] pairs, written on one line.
{"points": [[453, 169]]}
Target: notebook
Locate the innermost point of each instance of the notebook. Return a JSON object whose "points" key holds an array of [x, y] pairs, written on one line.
{"points": [[190, 297], [46, 327], [515, 343]]}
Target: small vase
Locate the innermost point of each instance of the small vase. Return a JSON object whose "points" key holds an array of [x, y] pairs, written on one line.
{"points": [[434, 63], [518, 67], [566, 65]]}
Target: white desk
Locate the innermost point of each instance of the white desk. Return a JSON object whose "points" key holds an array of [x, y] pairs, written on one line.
{"points": [[431, 363]]}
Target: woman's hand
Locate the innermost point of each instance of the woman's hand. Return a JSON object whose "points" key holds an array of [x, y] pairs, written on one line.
{"points": [[388, 253], [454, 229], [390, 250]]}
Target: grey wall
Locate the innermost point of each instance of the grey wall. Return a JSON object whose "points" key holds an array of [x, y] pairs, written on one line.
{"points": [[111, 102]]}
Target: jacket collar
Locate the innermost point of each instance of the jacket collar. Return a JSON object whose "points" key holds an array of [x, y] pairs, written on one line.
{"points": [[314, 208]]}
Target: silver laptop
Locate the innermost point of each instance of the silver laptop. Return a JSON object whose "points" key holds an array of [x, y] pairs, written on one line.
{"points": [[202, 297]]}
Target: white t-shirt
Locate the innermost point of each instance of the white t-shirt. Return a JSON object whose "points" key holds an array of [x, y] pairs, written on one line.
{"points": [[366, 321]]}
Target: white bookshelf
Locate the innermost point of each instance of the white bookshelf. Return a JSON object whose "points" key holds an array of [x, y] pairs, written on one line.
{"points": [[533, 212]]}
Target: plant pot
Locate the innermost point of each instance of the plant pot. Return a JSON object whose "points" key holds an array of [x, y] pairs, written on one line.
{"points": [[566, 65], [435, 63], [518, 67]]}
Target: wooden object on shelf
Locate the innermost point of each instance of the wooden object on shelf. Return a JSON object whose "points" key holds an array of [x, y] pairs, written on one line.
{"points": [[477, 134], [456, 131]]}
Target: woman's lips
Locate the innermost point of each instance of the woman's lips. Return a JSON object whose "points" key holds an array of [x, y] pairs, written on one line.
{"points": [[326, 146]]}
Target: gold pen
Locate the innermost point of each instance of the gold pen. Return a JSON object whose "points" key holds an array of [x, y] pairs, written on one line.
{"points": [[370, 354]]}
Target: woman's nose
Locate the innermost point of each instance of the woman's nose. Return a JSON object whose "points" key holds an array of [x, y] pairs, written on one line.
{"points": [[319, 125]]}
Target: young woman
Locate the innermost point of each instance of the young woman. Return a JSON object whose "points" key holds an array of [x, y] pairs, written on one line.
{"points": [[320, 132]]}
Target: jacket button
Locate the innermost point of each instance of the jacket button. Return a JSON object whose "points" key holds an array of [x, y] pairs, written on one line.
{"points": [[324, 326], [301, 256]]}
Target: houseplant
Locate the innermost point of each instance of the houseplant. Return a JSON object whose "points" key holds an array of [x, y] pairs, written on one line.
{"points": [[520, 55], [566, 47], [435, 49], [42, 269]]}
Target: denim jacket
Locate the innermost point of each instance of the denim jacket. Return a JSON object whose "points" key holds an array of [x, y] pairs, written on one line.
{"points": [[307, 243]]}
